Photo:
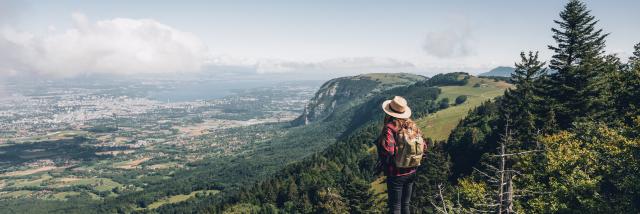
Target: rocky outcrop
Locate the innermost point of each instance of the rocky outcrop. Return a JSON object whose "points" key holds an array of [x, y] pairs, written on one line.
{"points": [[343, 92]]}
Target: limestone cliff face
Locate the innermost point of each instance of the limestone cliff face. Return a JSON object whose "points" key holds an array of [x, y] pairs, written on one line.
{"points": [[340, 93], [324, 101]]}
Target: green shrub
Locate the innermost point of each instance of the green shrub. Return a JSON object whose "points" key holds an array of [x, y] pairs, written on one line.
{"points": [[444, 103], [461, 99]]}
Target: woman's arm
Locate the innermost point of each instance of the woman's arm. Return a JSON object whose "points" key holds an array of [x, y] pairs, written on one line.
{"points": [[424, 148], [388, 141]]}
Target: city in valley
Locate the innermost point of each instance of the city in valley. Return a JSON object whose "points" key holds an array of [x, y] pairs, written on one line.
{"points": [[97, 140]]}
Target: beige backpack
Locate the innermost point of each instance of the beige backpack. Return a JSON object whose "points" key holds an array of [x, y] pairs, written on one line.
{"points": [[409, 150]]}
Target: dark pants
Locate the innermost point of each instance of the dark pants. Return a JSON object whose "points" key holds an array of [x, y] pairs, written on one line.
{"points": [[399, 189]]}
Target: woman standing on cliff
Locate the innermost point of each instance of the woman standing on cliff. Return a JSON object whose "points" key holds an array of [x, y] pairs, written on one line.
{"points": [[400, 149]]}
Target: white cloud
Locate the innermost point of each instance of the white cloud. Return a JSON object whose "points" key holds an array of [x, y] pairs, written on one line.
{"points": [[366, 62], [281, 66], [454, 41], [336, 64], [144, 46], [115, 46]]}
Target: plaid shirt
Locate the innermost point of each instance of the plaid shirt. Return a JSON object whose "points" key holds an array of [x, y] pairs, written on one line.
{"points": [[388, 143]]}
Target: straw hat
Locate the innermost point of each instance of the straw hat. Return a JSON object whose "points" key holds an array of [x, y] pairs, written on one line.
{"points": [[397, 107]]}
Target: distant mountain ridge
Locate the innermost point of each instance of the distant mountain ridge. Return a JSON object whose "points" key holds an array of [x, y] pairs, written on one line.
{"points": [[343, 92], [501, 71]]}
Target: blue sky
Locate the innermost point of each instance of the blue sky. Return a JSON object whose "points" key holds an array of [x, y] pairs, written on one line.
{"points": [[429, 35]]}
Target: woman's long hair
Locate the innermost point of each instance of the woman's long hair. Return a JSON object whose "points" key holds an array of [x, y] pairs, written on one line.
{"points": [[407, 126]]}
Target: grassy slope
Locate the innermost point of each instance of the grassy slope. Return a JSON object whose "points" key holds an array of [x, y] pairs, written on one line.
{"points": [[179, 198], [402, 78], [439, 125]]}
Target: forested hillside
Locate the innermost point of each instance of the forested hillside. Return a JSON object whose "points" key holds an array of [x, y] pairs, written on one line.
{"points": [[338, 179], [558, 142], [570, 136]]}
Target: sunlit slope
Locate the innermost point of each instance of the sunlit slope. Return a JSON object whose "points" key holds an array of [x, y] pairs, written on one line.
{"points": [[439, 124]]}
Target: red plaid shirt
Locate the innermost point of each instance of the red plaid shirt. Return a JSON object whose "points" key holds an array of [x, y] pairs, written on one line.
{"points": [[388, 143]]}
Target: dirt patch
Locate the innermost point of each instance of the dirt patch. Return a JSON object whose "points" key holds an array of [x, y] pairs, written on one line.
{"points": [[29, 171], [67, 180], [211, 125], [164, 166], [122, 139], [503, 85], [207, 126], [115, 152], [133, 164]]}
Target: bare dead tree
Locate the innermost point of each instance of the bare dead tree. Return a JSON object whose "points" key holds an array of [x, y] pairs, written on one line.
{"points": [[440, 196], [505, 203], [498, 174], [504, 173]]}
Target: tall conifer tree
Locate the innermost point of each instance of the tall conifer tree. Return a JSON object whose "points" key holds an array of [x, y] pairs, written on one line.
{"points": [[574, 87], [521, 103], [624, 88], [635, 59], [629, 96]]}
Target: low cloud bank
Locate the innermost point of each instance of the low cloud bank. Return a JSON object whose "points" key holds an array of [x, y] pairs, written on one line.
{"points": [[123, 46], [115, 46]]}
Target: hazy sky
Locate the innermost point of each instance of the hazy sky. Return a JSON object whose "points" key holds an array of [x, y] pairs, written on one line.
{"points": [[71, 37]]}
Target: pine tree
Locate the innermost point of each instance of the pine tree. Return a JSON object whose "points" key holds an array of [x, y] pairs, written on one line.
{"points": [[634, 60], [331, 201], [292, 191], [550, 125], [574, 88], [270, 193], [522, 103], [628, 94], [269, 209], [305, 205], [358, 195], [614, 90], [434, 170], [624, 89]]}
